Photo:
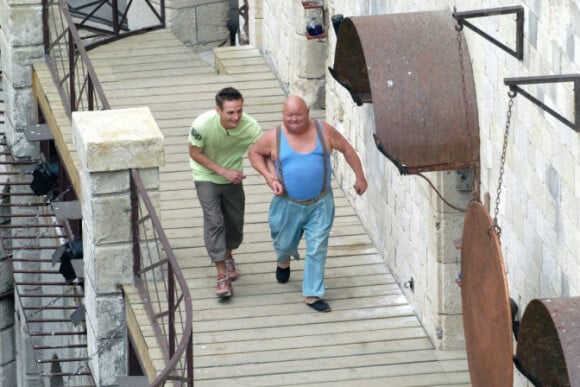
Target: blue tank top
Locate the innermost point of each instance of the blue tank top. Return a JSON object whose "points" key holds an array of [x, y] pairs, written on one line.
{"points": [[303, 172]]}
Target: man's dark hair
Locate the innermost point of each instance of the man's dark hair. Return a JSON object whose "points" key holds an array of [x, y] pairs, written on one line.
{"points": [[227, 94]]}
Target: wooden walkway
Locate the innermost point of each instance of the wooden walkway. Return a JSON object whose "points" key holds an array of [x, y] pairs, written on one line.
{"points": [[265, 335]]}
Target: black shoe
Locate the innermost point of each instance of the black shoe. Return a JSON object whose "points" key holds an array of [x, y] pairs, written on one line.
{"points": [[320, 306], [282, 275]]}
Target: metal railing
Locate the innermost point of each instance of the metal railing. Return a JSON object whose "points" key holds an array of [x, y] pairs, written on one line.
{"points": [[71, 69], [70, 30], [162, 287], [158, 277]]}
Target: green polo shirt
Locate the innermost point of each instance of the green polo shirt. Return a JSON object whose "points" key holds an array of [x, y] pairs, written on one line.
{"points": [[225, 147]]}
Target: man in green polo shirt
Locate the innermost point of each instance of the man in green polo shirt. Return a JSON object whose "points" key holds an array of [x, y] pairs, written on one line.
{"points": [[218, 139]]}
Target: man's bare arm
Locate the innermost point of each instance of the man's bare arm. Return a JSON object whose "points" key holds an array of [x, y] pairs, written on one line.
{"points": [[338, 142], [260, 155]]}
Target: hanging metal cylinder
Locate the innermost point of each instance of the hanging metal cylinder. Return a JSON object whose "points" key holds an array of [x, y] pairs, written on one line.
{"points": [[548, 350], [416, 71]]}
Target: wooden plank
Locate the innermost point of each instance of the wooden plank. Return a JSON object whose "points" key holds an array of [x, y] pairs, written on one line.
{"points": [[135, 332], [51, 105], [265, 335], [330, 351]]}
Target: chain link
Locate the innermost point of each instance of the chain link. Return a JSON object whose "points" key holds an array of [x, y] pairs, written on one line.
{"points": [[511, 95]]}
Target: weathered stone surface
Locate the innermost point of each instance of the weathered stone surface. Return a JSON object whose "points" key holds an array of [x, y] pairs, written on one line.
{"points": [[212, 21], [108, 218], [109, 267], [105, 183], [7, 349], [23, 25], [115, 140], [112, 361]]}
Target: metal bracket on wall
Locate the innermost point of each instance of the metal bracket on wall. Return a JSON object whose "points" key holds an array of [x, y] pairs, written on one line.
{"points": [[514, 82], [518, 10]]}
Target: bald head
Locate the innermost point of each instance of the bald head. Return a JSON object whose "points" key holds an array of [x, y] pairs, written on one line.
{"points": [[294, 103], [295, 115]]}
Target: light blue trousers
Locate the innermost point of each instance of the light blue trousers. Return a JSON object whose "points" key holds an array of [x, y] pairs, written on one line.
{"points": [[289, 221]]}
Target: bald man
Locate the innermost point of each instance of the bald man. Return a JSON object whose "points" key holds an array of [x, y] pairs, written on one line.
{"points": [[294, 159]]}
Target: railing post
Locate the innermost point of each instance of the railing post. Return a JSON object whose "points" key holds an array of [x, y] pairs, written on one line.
{"points": [[115, 16], [109, 144], [71, 71]]}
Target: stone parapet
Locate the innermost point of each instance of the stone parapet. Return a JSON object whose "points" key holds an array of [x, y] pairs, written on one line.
{"points": [[201, 24], [20, 44], [117, 140], [20, 23], [109, 144]]}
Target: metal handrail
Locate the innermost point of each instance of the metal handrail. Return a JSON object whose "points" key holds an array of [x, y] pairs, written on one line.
{"points": [[68, 36], [71, 69], [160, 281], [149, 271]]}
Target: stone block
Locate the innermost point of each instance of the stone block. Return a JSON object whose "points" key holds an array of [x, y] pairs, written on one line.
{"points": [[452, 330], [450, 293], [106, 313], [113, 140], [6, 279], [6, 313], [108, 219], [109, 266], [256, 9], [21, 3], [7, 349], [19, 106], [256, 34], [310, 90], [105, 183], [211, 22], [111, 361], [24, 26], [150, 178], [180, 4], [182, 24], [8, 374], [141, 16]]}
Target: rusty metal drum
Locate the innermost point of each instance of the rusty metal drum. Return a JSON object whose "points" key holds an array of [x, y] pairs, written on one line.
{"points": [[486, 308], [548, 349], [416, 71]]}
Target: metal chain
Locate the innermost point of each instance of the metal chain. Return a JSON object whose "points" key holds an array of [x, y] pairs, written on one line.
{"points": [[512, 95]]}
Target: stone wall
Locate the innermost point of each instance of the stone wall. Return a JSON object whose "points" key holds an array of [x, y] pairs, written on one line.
{"points": [[201, 24], [20, 44], [298, 62], [132, 135], [540, 198]]}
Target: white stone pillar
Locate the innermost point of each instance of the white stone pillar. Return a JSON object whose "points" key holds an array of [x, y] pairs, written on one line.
{"points": [[109, 144], [21, 43], [255, 23], [200, 24]]}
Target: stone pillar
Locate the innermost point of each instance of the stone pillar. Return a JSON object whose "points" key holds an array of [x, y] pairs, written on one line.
{"points": [[446, 329], [21, 43], [109, 144], [7, 333], [255, 23], [201, 24], [299, 62]]}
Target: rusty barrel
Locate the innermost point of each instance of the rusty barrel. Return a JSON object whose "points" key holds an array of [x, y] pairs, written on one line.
{"points": [[416, 71], [548, 349]]}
